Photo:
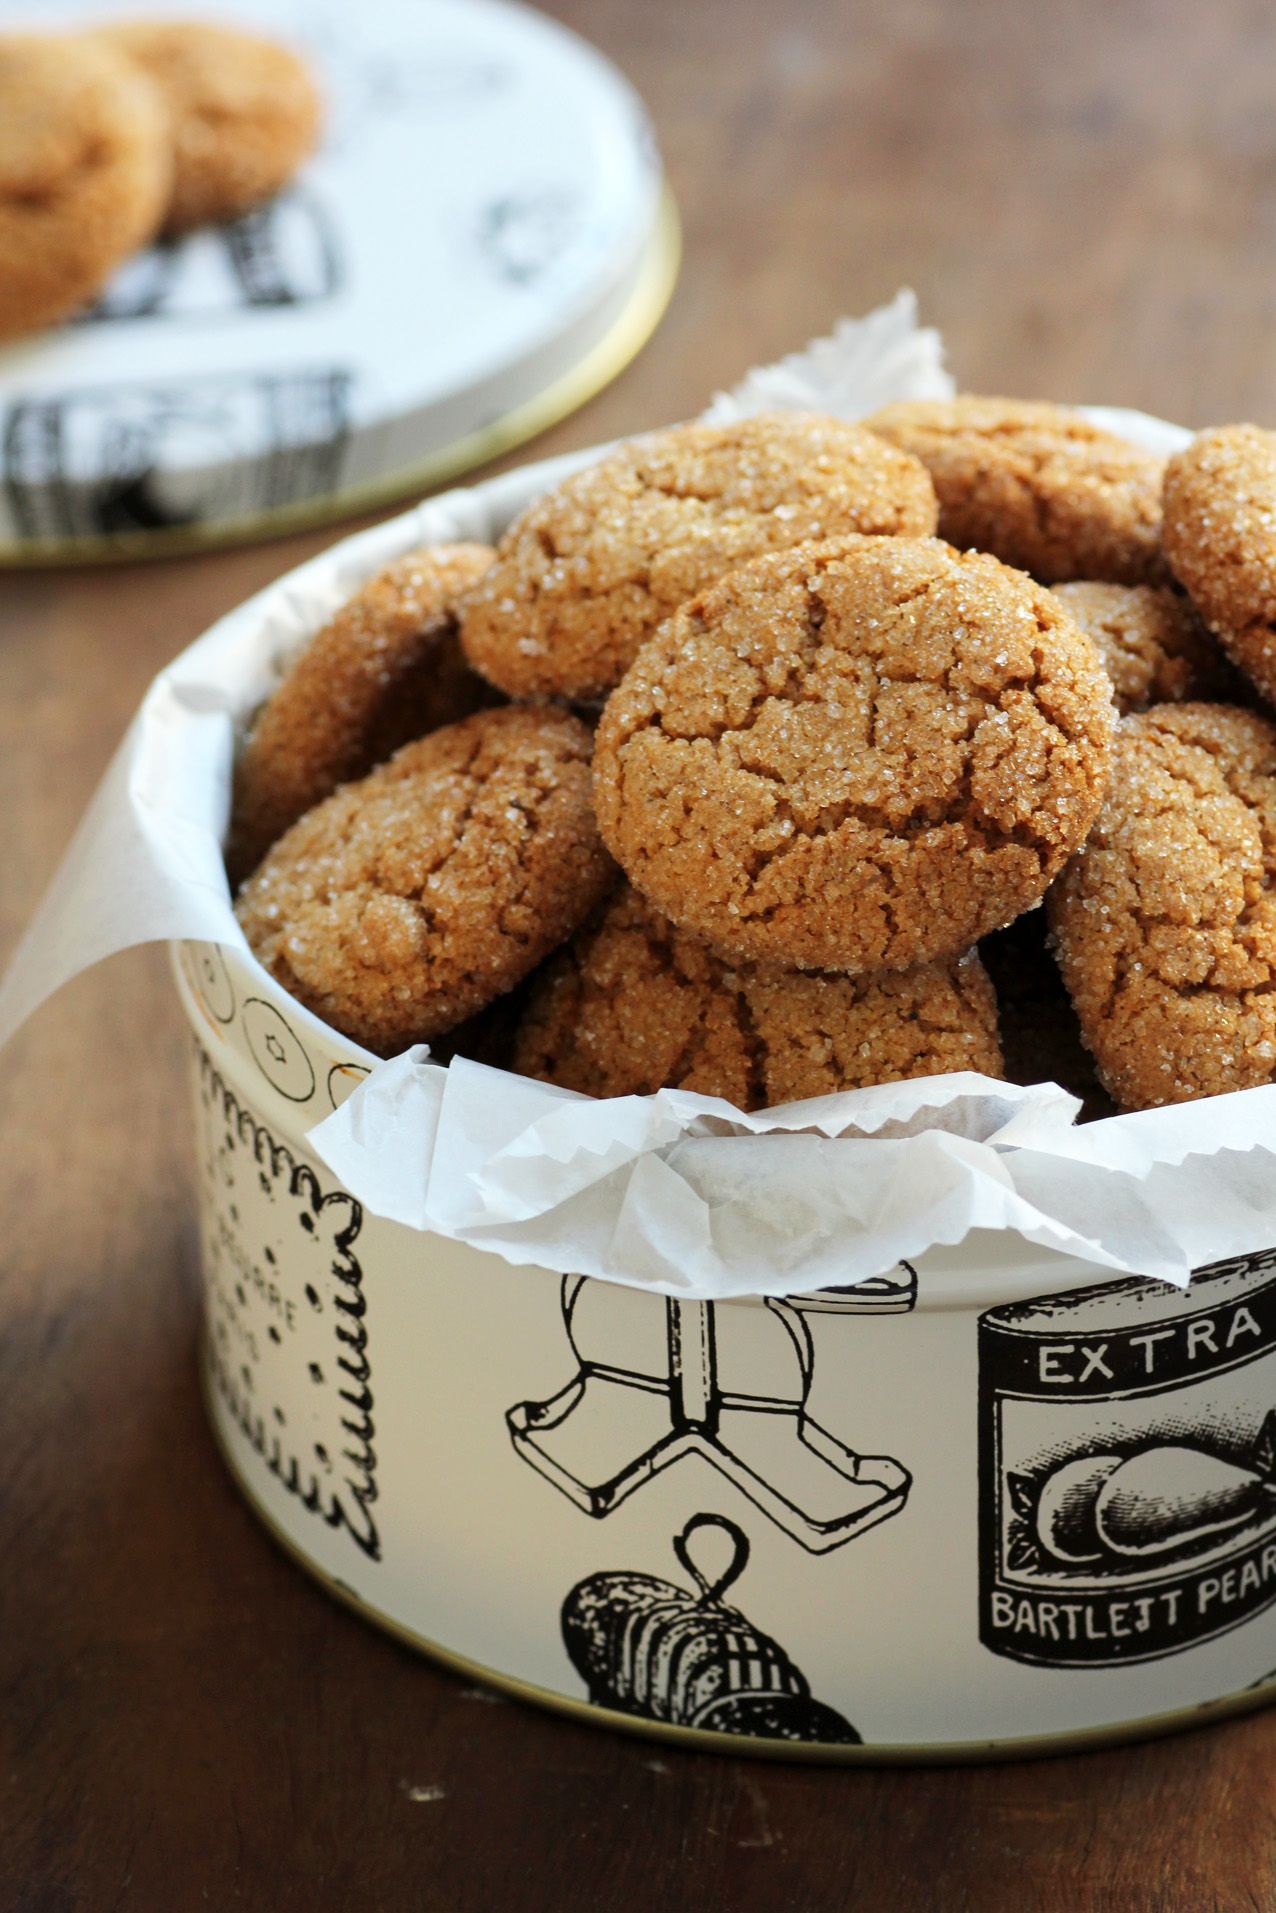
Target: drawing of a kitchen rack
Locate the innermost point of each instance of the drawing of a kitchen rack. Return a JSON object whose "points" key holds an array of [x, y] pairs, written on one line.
{"points": [[701, 1385]]}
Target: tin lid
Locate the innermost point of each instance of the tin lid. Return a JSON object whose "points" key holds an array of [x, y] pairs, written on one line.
{"points": [[480, 243]]}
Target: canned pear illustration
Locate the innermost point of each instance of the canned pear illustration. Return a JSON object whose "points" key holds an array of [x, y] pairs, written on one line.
{"points": [[1128, 1467]]}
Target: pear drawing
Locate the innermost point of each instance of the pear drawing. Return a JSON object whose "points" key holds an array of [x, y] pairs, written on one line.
{"points": [[1172, 1496]]}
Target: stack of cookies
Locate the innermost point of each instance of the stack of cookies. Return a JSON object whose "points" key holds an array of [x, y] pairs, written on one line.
{"points": [[112, 137], [752, 749]]}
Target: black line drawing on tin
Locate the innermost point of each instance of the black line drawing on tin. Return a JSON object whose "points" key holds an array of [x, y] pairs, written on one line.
{"points": [[1164, 1500], [1128, 1467], [522, 234], [395, 77], [284, 253], [343, 1079], [616, 1423], [266, 1328], [400, 84], [277, 1050], [210, 980], [647, 1647], [121, 458]]}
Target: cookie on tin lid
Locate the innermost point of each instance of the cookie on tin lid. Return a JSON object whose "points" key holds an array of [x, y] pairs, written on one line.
{"points": [[1164, 925], [85, 173], [1154, 647], [633, 1004], [386, 668], [589, 571], [856, 756], [1220, 539], [1037, 485], [244, 111], [408, 900]]}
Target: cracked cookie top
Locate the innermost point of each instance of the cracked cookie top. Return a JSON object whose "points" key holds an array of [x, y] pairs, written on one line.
{"points": [[855, 756], [244, 112], [385, 669], [1220, 539], [634, 1004], [85, 171], [1037, 485], [586, 575], [1154, 648], [1165, 924], [406, 902]]}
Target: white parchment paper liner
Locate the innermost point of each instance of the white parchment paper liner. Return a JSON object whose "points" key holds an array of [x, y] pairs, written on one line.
{"points": [[674, 1192]]}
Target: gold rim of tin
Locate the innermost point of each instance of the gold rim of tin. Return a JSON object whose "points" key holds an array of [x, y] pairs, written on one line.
{"points": [[700, 1740], [603, 362]]}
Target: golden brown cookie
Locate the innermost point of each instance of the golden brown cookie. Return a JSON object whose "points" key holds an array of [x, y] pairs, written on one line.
{"points": [[1165, 924], [244, 111], [85, 172], [405, 902], [855, 757], [1220, 539], [583, 578], [387, 668], [1154, 648], [634, 1004], [1037, 485]]}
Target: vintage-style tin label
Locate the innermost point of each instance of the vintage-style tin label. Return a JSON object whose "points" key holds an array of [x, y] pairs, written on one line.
{"points": [[1128, 1467]]}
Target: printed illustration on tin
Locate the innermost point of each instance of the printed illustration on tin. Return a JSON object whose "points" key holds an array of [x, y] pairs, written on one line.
{"points": [[705, 1382], [283, 1328], [285, 253], [1128, 1467], [647, 1647]]}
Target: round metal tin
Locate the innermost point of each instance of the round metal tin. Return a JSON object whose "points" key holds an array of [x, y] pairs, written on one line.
{"points": [[979, 1506], [482, 242], [745, 1525], [693, 1740]]}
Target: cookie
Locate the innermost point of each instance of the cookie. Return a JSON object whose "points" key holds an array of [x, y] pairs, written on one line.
{"points": [[1165, 924], [405, 902], [634, 1004], [584, 577], [1037, 485], [85, 172], [1154, 648], [244, 113], [1220, 539], [387, 668], [856, 756]]}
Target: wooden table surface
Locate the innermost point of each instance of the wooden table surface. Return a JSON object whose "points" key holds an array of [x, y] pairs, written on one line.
{"points": [[1085, 201]]}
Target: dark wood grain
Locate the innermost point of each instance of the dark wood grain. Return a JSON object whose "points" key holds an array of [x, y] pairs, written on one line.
{"points": [[1085, 200]]}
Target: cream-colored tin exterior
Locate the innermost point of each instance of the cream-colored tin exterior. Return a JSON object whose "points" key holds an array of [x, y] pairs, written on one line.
{"points": [[790, 1521]]}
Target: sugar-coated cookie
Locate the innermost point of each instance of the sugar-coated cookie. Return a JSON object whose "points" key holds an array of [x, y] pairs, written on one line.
{"points": [[385, 669], [634, 1004], [1037, 485], [244, 111], [1220, 539], [1154, 647], [855, 756], [584, 577], [405, 902], [85, 172], [1165, 924]]}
